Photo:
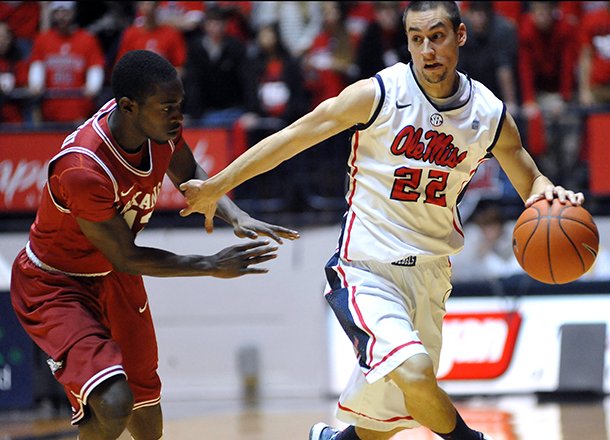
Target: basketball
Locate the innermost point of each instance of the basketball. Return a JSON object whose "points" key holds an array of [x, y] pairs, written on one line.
{"points": [[555, 243]]}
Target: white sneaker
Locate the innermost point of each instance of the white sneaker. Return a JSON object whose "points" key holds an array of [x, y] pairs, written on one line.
{"points": [[321, 431]]}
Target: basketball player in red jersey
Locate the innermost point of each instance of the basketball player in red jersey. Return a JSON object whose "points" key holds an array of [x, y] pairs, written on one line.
{"points": [[77, 285]]}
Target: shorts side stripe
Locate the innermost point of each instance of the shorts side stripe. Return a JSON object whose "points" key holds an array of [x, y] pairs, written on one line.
{"points": [[391, 419], [147, 403], [364, 326], [387, 356], [97, 379]]}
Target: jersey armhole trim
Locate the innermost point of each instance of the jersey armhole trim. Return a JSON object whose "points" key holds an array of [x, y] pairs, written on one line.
{"points": [[96, 159], [498, 130], [379, 105]]}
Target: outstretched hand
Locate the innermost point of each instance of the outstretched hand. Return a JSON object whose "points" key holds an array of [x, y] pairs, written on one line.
{"points": [[557, 192], [198, 200], [246, 226], [237, 260]]}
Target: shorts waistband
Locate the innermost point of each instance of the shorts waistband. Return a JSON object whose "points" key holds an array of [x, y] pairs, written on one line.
{"points": [[40, 264]]}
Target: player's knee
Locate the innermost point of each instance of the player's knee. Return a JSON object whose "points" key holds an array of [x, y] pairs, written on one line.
{"points": [[415, 375], [112, 402]]}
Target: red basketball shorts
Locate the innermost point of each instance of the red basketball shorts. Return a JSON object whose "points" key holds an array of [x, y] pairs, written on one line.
{"points": [[92, 328]]}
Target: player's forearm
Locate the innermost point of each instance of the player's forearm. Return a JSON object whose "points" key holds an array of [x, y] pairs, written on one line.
{"points": [[161, 263]]}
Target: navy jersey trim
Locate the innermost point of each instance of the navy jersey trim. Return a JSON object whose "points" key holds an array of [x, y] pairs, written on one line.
{"points": [[498, 131], [379, 105]]}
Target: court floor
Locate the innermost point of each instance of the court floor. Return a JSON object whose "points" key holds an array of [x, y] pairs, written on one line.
{"points": [[504, 418]]}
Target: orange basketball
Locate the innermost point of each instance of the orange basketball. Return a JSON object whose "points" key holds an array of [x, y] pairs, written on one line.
{"points": [[555, 243]]}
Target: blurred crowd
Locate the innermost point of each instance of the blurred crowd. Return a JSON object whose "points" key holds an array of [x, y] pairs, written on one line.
{"points": [[254, 67]]}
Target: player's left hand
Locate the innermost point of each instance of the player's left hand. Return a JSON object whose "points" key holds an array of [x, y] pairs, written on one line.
{"points": [[246, 226], [557, 192]]}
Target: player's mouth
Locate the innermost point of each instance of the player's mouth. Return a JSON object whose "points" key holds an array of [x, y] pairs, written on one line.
{"points": [[174, 131], [432, 66]]}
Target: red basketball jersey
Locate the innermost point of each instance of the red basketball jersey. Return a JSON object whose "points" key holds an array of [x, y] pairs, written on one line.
{"points": [[102, 182]]}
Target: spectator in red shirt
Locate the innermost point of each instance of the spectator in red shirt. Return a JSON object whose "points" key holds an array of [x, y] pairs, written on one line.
{"points": [[24, 20], [594, 62], [274, 98], [547, 58], [67, 68], [148, 34], [185, 16], [329, 61]]}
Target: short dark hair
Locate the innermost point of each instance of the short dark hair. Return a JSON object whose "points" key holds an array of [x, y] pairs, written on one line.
{"points": [[137, 74], [452, 9]]}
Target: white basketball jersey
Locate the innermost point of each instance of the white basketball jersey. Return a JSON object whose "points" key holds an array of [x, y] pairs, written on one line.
{"points": [[408, 166]]}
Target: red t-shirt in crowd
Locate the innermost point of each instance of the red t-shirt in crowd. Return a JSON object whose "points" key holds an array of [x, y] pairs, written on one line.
{"points": [[164, 40], [67, 59], [547, 59], [595, 32]]}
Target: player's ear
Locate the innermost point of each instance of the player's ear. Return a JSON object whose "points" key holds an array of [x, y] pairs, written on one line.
{"points": [[462, 35], [127, 105]]}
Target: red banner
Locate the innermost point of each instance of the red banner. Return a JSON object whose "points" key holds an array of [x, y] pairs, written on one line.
{"points": [[598, 131], [24, 158], [478, 345]]}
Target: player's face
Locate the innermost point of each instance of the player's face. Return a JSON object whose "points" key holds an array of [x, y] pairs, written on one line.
{"points": [[160, 115], [433, 45]]}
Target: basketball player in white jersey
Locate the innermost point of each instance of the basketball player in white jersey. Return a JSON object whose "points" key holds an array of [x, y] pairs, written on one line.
{"points": [[420, 132]]}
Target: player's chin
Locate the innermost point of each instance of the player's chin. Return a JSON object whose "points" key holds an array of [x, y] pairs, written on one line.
{"points": [[165, 137]]}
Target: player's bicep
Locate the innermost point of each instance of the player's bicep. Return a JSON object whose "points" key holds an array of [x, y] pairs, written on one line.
{"points": [[351, 107], [182, 166], [111, 237]]}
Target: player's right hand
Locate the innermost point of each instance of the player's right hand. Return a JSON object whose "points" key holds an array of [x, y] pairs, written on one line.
{"points": [[199, 200], [237, 260]]}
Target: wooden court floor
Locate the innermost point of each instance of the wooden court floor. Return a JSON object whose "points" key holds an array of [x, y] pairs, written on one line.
{"points": [[504, 418]]}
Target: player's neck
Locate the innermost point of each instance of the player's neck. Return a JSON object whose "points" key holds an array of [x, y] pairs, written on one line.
{"points": [[443, 89], [129, 142]]}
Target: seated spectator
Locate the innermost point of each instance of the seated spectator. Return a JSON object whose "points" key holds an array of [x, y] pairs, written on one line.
{"points": [[212, 77], [383, 42], [67, 68], [273, 82], [13, 74], [23, 18], [299, 22], [329, 61], [511, 10], [186, 16], [147, 33], [488, 252], [547, 58], [238, 18], [490, 52], [274, 97], [594, 61], [106, 20], [357, 18]]}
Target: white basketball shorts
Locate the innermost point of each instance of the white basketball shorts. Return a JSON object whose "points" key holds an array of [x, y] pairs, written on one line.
{"points": [[390, 312]]}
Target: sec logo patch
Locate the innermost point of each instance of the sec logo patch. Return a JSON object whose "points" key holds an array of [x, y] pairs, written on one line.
{"points": [[436, 119]]}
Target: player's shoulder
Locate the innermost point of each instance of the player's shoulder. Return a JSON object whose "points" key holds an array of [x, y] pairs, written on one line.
{"points": [[483, 94], [395, 70]]}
